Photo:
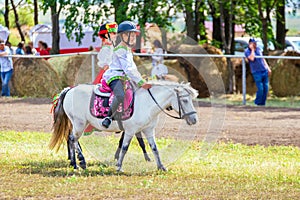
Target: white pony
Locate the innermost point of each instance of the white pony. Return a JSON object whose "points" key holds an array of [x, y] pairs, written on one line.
{"points": [[72, 115]]}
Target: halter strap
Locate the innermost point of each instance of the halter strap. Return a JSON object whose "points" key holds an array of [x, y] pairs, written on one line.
{"points": [[163, 109]]}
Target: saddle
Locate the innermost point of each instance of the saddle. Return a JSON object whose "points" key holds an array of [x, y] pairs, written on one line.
{"points": [[102, 98]]}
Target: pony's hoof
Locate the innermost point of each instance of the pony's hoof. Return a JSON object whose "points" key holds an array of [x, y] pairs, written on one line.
{"points": [[72, 164], [119, 170], [82, 165], [147, 158], [162, 168]]}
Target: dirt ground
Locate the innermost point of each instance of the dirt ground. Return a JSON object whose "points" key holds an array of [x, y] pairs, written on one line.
{"points": [[240, 124]]}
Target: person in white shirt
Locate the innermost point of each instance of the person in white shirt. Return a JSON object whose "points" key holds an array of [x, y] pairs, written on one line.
{"points": [[159, 70], [122, 68], [6, 68], [108, 34]]}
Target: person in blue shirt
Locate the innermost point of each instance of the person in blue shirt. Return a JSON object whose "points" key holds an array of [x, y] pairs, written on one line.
{"points": [[20, 50], [260, 71]]}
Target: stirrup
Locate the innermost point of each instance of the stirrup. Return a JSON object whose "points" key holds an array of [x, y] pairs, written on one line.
{"points": [[106, 122]]}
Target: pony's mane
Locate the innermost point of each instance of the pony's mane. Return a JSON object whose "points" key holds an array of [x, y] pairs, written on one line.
{"points": [[186, 86]]}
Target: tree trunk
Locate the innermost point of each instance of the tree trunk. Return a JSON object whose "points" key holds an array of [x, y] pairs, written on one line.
{"points": [[55, 29], [17, 20], [138, 44], [280, 25], [190, 22], [164, 39], [216, 32], [6, 14], [200, 20], [226, 34], [264, 21], [36, 10]]}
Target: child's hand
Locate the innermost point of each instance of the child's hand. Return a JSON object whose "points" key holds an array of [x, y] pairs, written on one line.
{"points": [[146, 86]]}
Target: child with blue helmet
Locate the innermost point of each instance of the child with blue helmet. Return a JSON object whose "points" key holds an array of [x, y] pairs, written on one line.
{"points": [[122, 68]]}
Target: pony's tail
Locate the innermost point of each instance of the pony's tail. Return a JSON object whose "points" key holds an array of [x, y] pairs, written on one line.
{"points": [[61, 123]]}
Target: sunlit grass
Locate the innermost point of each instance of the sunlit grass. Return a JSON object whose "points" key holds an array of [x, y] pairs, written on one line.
{"points": [[230, 171]]}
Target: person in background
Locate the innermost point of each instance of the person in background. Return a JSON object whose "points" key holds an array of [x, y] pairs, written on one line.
{"points": [[28, 50], [33, 50], [108, 34], [43, 49], [159, 70], [8, 44], [260, 71], [6, 68], [20, 49]]}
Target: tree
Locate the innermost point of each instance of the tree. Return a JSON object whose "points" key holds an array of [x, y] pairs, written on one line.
{"points": [[280, 25], [227, 34], [216, 34], [17, 20], [6, 13], [55, 7], [36, 12], [154, 11], [121, 8], [194, 18]]}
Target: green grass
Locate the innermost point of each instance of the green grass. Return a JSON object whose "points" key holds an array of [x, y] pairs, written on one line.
{"points": [[230, 171], [272, 101]]}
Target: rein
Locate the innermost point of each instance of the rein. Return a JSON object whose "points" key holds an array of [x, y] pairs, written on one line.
{"points": [[179, 106]]}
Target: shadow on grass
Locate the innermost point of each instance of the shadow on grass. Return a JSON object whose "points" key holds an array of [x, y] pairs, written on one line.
{"points": [[62, 168]]}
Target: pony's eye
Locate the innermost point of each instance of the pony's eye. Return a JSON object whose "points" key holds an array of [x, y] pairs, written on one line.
{"points": [[185, 100]]}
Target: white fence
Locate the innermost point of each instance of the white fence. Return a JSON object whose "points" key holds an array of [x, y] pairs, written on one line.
{"points": [[94, 55]]}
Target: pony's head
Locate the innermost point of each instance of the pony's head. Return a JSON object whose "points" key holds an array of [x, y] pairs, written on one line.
{"points": [[180, 99], [182, 103]]}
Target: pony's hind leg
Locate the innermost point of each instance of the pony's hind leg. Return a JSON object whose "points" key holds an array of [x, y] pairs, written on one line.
{"points": [[142, 145], [69, 151], [80, 156], [71, 148], [74, 147]]}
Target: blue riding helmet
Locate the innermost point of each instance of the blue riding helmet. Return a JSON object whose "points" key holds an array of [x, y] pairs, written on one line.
{"points": [[127, 26]]}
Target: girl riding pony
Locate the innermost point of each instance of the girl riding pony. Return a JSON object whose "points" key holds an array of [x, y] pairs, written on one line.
{"points": [[122, 68]]}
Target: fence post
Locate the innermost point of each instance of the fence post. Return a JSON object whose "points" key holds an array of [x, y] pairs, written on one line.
{"points": [[93, 66], [244, 80]]}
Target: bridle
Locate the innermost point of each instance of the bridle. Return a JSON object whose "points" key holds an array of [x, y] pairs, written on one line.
{"points": [[181, 112]]}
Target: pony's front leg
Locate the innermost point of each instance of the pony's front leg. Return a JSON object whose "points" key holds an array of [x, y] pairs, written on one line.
{"points": [[119, 146], [125, 145], [153, 146]]}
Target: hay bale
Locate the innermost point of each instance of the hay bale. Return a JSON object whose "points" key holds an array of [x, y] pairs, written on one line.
{"points": [[204, 73], [175, 69], [77, 69], [250, 83], [58, 64], [285, 77], [35, 78]]}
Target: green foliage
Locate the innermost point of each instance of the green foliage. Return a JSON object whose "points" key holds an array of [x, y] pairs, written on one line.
{"points": [[25, 17], [84, 13]]}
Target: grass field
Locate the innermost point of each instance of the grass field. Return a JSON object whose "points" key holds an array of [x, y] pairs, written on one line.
{"points": [[230, 171]]}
